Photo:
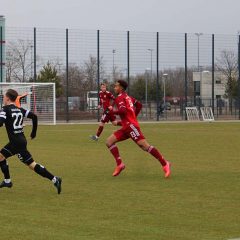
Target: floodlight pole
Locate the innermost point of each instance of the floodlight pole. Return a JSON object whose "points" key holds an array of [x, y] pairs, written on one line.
{"points": [[151, 52], [198, 63], [198, 47], [146, 91]]}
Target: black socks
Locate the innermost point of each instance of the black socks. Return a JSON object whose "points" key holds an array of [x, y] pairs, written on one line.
{"points": [[5, 169], [42, 171]]}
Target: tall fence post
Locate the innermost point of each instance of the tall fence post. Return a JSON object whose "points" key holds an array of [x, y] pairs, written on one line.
{"points": [[1, 54], [35, 54], [186, 77], [67, 83], [98, 69], [157, 67], [239, 77], [213, 71], [128, 60]]}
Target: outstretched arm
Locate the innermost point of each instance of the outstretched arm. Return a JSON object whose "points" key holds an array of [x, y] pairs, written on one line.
{"points": [[34, 118]]}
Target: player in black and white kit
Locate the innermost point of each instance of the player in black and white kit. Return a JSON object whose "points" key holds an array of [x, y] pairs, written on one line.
{"points": [[12, 117]]}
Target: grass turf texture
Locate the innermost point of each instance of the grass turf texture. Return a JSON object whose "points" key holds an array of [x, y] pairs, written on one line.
{"points": [[200, 201]]}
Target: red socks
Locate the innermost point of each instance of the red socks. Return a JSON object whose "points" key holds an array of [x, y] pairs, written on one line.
{"points": [[114, 150], [99, 131], [154, 152]]}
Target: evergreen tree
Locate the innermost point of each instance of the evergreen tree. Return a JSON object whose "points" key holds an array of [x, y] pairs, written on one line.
{"points": [[49, 74]]}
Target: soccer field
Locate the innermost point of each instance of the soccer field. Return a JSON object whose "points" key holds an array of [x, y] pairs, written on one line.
{"points": [[201, 200]]}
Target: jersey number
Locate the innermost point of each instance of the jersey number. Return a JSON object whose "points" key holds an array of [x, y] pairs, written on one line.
{"points": [[18, 120]]}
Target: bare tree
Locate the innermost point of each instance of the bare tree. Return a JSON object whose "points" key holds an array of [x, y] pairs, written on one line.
{"points": [[19, 60], [90, 71], [227, 64], [118, 73], [11, 65], [76, 79]]}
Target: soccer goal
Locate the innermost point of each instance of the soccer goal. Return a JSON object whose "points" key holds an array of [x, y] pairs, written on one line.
{"points": [[192, 114], [207, 114], [37, 97]]}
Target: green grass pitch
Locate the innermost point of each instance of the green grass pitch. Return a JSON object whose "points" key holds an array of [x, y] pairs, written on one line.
{"points": [[201, 201]]}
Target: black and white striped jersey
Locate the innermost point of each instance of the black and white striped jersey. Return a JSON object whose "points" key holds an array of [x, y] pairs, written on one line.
{"points": [[12, 117]]}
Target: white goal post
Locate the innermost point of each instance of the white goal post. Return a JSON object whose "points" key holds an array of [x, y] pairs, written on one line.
{"points": [[40, 98], [207, 114], [192, 114]]}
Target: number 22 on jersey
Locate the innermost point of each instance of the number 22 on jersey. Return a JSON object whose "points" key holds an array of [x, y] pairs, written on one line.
{"points": [[18, 120]]}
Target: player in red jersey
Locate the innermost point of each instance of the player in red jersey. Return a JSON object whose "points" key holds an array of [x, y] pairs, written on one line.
{"points": [[106, 98], [130, 129]]}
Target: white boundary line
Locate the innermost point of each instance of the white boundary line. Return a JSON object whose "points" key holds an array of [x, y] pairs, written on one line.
{"points": [[151, 122]]}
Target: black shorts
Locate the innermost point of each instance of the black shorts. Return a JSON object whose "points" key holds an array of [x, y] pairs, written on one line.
{"points": [[23, 154]]}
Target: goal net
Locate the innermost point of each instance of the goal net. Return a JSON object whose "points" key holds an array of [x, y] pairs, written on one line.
{"points": [[192, 114], [37, 97], [207, 114]]}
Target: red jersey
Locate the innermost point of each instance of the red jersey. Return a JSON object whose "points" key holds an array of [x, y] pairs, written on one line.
{"points": [[126, 111], [137, 105], [105, 99]]}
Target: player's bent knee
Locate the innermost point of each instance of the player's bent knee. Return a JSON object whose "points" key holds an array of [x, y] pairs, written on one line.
{"points": [[110, 141], [101, 124], [143, 145], [32, 165], [2, 158]]}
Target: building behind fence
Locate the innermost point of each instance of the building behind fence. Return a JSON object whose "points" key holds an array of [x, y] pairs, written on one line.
{"points": [[165, 71]]}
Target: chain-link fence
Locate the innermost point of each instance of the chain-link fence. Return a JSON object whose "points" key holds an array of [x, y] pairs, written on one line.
{"points": [[165, 71]]}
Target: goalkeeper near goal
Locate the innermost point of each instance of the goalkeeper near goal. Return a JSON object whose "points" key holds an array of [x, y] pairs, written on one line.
{"points": [[12, 116]]}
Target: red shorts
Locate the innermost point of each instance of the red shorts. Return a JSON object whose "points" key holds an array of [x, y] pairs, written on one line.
{"points": [[131, 131], [108, 117]]}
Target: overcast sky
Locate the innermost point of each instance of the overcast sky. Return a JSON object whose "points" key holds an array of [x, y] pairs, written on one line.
{"points": [[208, 16]]}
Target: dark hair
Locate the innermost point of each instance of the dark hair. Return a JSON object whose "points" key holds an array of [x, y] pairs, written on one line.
{"points": [[123, 84], [103, 84], [12, 94]]}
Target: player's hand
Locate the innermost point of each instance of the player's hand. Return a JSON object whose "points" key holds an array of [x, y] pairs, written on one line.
{"points": [[110, 108], [99, 107], [33, 135]]}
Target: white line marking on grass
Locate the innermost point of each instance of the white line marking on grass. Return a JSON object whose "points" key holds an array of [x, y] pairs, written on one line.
{"points": [[148, 122]]}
